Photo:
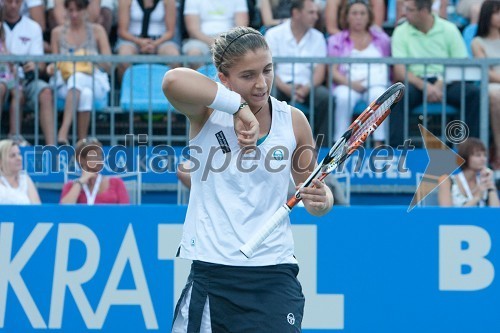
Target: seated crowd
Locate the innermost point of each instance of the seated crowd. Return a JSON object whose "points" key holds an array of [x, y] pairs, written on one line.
{"points": [[293, 28]]}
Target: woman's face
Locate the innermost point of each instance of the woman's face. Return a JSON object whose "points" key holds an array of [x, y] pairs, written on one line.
{"points": [[357, 17], [14, 162], [75, 14], [495, 20], [91, 159], [252, 77], [477, 160]]}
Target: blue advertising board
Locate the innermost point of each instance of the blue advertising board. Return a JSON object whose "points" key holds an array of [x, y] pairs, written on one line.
{"points": [[363, 269]]}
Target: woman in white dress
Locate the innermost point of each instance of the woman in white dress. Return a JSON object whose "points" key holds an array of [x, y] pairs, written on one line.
{"points": [[16, 187]]}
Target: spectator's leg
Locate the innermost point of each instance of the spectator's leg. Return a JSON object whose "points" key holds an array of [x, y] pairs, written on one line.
{"points": [[16, 106], [169, 49], [194, 47], [396, 118], [380, 134], [345, 99], [472, 103], [124, 50], [495, 125], [84, 113], [321, 121], [72, 98], [47, 115], [106, 19], [3, 94]]}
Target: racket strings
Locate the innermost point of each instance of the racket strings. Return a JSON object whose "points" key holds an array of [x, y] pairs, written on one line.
{"points": [[372, 122]]}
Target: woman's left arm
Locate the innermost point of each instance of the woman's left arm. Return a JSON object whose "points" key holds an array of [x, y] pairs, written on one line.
{"points": [[102, 45], [170, 19], [33, 192], [318, 200], [123, 197]]}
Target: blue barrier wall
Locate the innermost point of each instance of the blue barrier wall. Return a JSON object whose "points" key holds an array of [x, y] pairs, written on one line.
{"points": [[363, 269]]}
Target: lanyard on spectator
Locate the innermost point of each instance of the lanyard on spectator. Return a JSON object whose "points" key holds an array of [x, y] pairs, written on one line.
{"points": [[91, 196], [147, 15], [467, 190]]}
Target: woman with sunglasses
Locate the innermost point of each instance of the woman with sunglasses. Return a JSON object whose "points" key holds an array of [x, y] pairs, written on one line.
{"points": [[92, 187], [359, 81]]}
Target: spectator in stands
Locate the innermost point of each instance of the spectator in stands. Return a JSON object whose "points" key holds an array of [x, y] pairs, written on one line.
{"points": [[334, 9], [207, 19], [16, 187], [146, 27], [469, 9], [76, 81], [99, 11], [274, 12], [426, 35], [92, 187], [474, 185], [35, 10], [297, 38], [23, 36], [439, 7], [359, 39], [487, 45]]}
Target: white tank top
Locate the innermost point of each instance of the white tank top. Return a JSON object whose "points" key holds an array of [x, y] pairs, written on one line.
{"points": [[156, 26], [14, 195], [227, 207]]}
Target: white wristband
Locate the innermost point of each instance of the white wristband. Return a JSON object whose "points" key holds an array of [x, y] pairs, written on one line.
{"points": [[226, 100]]}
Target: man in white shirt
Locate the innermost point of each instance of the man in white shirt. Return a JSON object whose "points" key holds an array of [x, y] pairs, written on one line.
{"points": [[23, 36], [206, 19], [297, 38]]}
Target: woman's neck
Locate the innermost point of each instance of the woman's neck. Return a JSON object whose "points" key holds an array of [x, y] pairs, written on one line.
{"points": [[470, 176], [493, 34], [77, 25], [12, 178]]}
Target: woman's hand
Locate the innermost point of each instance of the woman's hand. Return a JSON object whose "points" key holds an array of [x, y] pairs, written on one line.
{"points": [[246, 127], [318, 199], [358, 86]]}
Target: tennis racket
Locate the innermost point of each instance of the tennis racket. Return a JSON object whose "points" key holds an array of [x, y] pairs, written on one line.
{"points": [[366, 123]]}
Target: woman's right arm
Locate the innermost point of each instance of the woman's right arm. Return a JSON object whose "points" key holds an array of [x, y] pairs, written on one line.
{"points": [[70, 192], [444, 192], [478, 52], [54, 47], [266, 13], [124, 21], [331, 16]]}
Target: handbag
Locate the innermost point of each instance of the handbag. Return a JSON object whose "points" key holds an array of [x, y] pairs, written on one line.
{"points": [[67, 67]]}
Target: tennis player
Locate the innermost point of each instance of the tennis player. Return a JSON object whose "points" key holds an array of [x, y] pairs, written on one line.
{"points": [[243, 144]]}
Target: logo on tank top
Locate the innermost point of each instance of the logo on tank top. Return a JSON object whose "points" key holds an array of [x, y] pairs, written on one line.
{"points": [[278, 154], [290, 318], [221, 138]]}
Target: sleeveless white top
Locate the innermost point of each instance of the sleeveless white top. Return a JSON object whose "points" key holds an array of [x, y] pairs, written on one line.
{"points": [[156, 20], [457, 197], [228, 203], [14, 196]]}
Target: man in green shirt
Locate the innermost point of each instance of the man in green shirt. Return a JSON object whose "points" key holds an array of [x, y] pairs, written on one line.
{"points": [[425, 35]]}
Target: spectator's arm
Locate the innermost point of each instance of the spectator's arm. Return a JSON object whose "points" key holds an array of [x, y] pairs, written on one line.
{"points": [[444, 192], [456, 44], [124, 21], [266, 13], [37, 14], [170, 19], [183, 174], [241, 19], [337, 77], [378, 7], [443, 9], [193, 27], [331, 15], [478, 52], [94, 10], [59, 12], [121, 191], [33, 192], [70, 193], [103, 45], [284, 87], [319, 74]]}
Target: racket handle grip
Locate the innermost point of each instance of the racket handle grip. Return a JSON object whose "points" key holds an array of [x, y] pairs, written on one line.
{"points": [[256, 240]]}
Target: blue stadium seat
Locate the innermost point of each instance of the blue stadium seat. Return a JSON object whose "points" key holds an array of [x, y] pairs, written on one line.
{"points": [[469, 33], [359, 107], [146, 90], [434, 109], [210, 71]]}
